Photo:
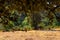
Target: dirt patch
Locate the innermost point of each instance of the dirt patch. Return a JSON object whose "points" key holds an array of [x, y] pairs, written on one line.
{"points": [[30, 35]]}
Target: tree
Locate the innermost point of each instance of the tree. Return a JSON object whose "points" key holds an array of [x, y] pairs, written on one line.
{"points": [[32, 9]]}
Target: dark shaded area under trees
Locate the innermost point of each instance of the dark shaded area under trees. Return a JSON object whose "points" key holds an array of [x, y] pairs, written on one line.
{"points": [[29, 14]]}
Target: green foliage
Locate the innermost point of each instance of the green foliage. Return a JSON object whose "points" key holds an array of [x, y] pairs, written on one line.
{"points": [[25, 25], [27, 15]]}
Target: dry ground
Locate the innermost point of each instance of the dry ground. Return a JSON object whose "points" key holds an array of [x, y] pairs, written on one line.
{"points": [[30, 35]]}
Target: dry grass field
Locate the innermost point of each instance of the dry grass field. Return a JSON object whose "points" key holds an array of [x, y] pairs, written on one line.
{"points": [[30, 35]]}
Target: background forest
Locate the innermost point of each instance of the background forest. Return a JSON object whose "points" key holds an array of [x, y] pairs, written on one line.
{"points": [[23, 15]]}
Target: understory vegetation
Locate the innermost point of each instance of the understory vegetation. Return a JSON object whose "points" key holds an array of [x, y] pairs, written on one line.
{"points": [[16, 15]]}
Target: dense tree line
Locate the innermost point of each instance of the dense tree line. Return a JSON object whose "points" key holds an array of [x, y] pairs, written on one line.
{"points": [[29, 14]]}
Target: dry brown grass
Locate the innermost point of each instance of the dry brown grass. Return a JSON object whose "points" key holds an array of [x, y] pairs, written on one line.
{"points": [[30, 35]]}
